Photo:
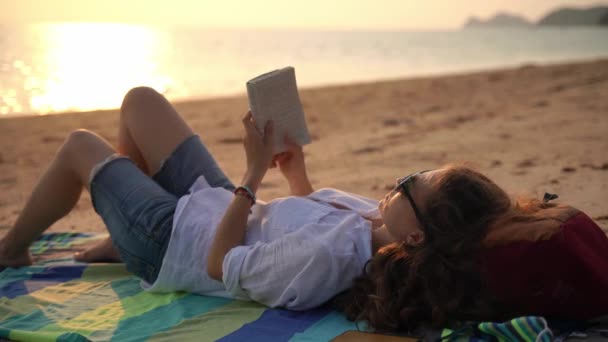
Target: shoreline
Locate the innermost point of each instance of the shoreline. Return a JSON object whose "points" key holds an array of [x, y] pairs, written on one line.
{"points": [[329, 86], [532, 128]]}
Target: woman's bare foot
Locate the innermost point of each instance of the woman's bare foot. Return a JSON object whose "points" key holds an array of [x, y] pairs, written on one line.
{"points": [[14, 259], [101, 252]]}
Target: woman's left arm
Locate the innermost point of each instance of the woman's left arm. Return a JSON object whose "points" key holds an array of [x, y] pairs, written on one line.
{"points": [[231, 230]]}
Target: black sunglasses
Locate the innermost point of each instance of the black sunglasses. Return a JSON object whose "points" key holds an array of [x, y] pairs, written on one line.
{"points": [[403, 186]]}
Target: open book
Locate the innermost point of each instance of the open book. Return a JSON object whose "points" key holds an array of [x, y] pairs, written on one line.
{"points": [[274, 96]]}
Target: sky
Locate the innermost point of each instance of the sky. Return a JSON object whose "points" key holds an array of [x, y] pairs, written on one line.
{"points": [[289, 14]]}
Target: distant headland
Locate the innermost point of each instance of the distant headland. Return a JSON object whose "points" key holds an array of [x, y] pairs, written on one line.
{"points": [[565, 16]]}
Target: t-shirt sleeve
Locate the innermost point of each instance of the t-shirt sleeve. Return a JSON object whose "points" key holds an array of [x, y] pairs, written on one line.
{"points": [[231, 266], [294, 271]]}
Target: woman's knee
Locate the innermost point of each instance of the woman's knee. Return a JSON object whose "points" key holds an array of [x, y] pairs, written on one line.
{"points": [[85, 143], [81, 137], [140, 97]]}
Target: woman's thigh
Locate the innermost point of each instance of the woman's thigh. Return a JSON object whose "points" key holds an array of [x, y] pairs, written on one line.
{"points": [[151, 125], [186, 163], [172, 153], [138, 213]]}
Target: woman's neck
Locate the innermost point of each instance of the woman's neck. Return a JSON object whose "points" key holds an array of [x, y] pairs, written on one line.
{"points": [[380, 238]]}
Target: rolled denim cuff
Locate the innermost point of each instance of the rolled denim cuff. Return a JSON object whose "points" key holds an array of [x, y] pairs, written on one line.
{"points": [[95, 170]]}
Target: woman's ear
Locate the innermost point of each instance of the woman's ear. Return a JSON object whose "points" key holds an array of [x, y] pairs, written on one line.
{"points": [[415, 238]]}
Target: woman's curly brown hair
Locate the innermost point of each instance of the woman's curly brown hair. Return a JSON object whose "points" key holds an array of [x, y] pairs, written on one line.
{"points": [[437, 282]]}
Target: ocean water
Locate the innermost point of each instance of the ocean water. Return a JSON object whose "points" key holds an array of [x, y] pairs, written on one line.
{"points": [[52, 68]]}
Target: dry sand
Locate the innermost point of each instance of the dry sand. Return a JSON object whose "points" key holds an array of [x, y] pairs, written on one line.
{"points": [[532, 129]]}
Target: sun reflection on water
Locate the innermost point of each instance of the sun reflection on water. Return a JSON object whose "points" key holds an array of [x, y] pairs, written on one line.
{"points": [[92, 65]]}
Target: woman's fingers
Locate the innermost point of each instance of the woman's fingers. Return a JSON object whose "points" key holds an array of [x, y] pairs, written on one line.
{"points": [[268, 132], [279, 159], [282, 157], [249, 124], [288, 142], [252, 131], [247, 118]]}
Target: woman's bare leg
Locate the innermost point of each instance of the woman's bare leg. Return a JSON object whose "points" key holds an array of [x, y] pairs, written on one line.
{"points": [[55, 194], [103, 251], [150, 130]]}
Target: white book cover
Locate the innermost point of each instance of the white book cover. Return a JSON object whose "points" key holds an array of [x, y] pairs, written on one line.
{"points": [[274, 96]]}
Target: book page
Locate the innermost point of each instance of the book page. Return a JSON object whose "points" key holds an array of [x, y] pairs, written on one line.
{"points": [[274, 96]]}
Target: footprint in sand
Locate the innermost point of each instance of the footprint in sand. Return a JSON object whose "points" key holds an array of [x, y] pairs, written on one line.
{"points": [[50, 139], [495, 163], [568, 169], [8, 180], [495, 77], [390, 122], [225, 123], [531, 162], [433, 109], [230, 141], [557, 88], [459, 120], [365, 150], [603, 167], [594, 79], [268, 185]]}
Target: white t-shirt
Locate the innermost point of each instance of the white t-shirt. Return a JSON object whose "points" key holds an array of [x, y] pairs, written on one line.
{"points": [[298, 251]]}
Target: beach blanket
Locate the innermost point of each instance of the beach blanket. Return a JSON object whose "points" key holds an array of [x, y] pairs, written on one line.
{"points": [[59, 299], [520, 329]]}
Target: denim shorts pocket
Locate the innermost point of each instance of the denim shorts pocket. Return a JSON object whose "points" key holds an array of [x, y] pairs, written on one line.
{"points": [[155, 219], [138, 213], [138, 266]]}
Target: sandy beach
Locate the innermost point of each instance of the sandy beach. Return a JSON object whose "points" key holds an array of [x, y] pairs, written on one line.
{"points": [[533, 129]]}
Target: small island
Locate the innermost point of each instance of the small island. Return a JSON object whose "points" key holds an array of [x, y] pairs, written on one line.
{"points": [[566, 16], [576, 17], [499, 20]]}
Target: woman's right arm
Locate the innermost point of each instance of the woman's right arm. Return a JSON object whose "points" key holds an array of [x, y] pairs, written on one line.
{"points": [[293, 167], [232, 229]]}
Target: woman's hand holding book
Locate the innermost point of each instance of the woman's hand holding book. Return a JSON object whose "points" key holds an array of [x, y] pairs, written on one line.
{"points": [[258, 150], [231, 230], [293, 167]]}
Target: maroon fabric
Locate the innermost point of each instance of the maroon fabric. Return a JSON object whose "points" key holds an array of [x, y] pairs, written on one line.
{"points": [[563, 277]]}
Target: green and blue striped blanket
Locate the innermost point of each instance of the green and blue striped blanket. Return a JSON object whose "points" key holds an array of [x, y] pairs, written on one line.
{"points": [[62, 300], [59, 299]]}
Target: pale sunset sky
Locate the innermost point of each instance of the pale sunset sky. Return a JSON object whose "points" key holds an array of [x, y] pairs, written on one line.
{"points": [[291, 14]]}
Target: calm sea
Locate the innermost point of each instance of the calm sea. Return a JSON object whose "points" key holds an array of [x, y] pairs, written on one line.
{"points": [[49, 68]]}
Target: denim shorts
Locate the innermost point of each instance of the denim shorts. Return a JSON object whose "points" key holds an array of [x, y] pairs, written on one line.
{"points": [[138, 210]]}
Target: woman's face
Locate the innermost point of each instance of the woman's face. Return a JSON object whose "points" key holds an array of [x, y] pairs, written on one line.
{"points": [[397, 210]]}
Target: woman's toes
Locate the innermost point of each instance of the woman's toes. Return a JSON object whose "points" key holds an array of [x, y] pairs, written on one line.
{"points": [[102, 252], [81, 256]]}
